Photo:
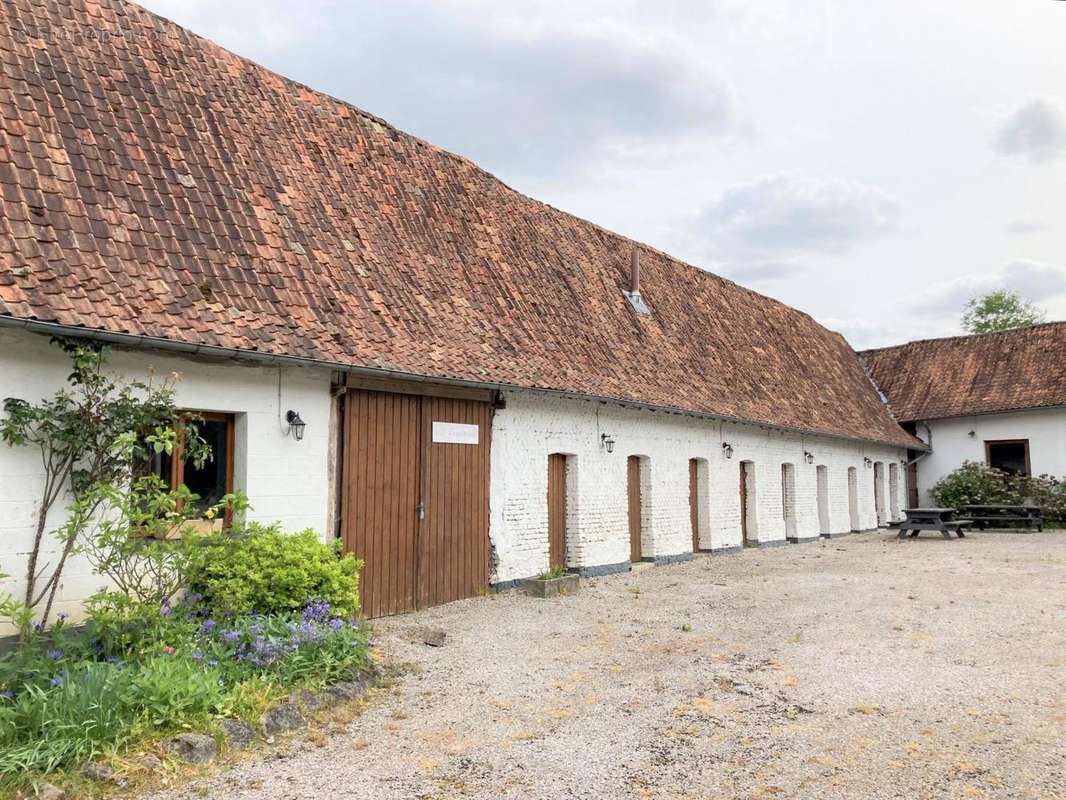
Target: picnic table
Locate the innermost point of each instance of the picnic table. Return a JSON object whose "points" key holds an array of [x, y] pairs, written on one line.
{"points": [[1001, 516], [932, 519]]}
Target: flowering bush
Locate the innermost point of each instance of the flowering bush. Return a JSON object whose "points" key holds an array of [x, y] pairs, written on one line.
{"points": [[975, 483], [140, 669]]}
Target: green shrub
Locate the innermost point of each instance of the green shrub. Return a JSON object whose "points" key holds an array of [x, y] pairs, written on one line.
{"points": [[977, 484], [265, 571]]}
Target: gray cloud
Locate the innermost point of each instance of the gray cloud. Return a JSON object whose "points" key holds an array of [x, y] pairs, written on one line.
{"points": [[787, 214], [1036, 131], [517, 88], [1033, 280]]}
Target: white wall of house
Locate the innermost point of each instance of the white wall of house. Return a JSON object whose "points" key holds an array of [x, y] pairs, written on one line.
{"points": [[952, 443], [287, 481], [531, 427]]}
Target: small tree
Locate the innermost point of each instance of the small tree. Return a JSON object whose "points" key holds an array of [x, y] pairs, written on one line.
{"points": [[78, 432], [1001, 310]]}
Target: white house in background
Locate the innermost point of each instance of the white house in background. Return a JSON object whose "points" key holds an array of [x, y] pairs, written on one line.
{"points": [[997, 398], [490, 386]]}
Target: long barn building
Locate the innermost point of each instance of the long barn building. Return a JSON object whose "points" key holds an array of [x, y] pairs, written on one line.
{"points": [[490, 386]]}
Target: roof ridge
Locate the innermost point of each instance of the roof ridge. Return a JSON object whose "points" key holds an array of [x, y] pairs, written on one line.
{"points": [[963, 336]]}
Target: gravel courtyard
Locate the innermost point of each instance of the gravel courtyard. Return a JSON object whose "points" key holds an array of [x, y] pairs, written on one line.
{"points": [[861, 667]]}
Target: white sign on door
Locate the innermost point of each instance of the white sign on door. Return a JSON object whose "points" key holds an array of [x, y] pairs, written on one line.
{"points": [[455, 433]]}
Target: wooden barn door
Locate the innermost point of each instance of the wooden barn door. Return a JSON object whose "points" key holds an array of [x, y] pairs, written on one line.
{"points": [[454, 535], [557, 510], [635, 511], [382, 456], [415, 503]]}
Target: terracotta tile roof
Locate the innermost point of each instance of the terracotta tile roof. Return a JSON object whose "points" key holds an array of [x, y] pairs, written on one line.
{"points": [[156, 184], [963, 375]]}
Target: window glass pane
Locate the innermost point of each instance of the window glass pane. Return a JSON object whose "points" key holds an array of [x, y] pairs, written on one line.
{"points": [[1007, 456], [209, 481]]}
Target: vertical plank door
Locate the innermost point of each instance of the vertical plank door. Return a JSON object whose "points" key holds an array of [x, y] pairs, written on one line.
{"points": [[744, 503], [694, 502], [453, 554], [633, 489], [381, 467], [557, 510]]}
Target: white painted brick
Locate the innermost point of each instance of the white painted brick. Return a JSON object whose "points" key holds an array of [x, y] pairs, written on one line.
{"points": [[531, 427]]}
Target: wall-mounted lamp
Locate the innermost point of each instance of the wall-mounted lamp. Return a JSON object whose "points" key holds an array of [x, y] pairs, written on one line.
{"points": [[607, 441], [727, 449], [867, 461], [296, 425], [972, 434], [808, 456]]}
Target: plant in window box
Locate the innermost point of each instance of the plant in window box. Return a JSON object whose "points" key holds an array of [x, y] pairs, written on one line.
{"points": [[552, 582]]}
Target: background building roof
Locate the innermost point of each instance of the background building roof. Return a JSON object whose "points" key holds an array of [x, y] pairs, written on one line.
{"points": [[156, 184], [962, 375]]}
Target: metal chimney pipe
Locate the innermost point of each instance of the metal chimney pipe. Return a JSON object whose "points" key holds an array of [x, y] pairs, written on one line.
{"points": [[634, 272]]}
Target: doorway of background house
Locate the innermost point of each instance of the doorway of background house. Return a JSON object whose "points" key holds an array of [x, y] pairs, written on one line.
{"points": [[636, 510], [853, 497], [788, 499], [557, 511], [697, 503], [415, 499], [879, 492], [893, 491], [822, 477], [748, 531]]}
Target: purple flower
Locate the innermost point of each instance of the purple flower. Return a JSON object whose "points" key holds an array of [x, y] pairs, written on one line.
{"points": [[58, 679], [231, 636], [166, 611], [7, 694], [63, 615], [208, 626], [196, 655], [213, 662], [113, 659], [38, 627], [55, 655], [336, 624]]}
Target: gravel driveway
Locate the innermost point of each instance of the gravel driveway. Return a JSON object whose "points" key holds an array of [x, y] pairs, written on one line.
{"points": [[859, 668]]}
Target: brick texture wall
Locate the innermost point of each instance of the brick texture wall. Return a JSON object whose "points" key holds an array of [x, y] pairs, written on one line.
{"points": [[531, 427]]}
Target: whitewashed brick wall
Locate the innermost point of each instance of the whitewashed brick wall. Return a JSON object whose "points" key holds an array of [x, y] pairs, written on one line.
{"points": [[533, 426], [286, 480]]}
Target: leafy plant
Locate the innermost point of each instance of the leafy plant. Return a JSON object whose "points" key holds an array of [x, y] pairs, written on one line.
{"points": [[553, 573], [264, 570], [139, 533], [79, 432], [1000, 310], [975, 483]]}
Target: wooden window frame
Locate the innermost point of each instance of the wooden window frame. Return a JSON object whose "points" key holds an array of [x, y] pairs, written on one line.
{"points": [[177, 455], [1023, 442]]}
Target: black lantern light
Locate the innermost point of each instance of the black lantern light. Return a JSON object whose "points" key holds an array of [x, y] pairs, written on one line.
{"points": [[867, 461], [727, 449], [808, 456], [296, 425], [607, 441]]}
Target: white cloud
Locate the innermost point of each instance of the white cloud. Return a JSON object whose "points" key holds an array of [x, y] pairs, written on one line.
{"points": [[787, 214], [1036, 131], [1026, 227]]}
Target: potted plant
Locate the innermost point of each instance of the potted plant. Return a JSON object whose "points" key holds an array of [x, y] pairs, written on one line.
{"points": [[551, 583]]}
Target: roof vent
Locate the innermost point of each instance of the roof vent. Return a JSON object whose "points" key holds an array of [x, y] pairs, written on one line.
{"points": [[633, 295]]}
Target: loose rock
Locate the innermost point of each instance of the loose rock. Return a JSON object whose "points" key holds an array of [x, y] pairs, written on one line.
{"points": [[48, 791], [195, 748], [285, 717], [239, 734]]}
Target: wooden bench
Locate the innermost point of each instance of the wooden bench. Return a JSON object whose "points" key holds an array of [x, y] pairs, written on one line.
{"points": [[932, 519], [1004, 516]]}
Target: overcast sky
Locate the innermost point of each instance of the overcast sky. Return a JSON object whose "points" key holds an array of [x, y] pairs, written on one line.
{"points": [[873, 164]]}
